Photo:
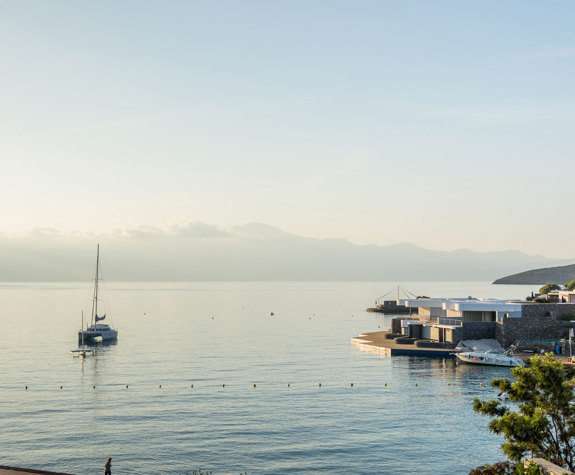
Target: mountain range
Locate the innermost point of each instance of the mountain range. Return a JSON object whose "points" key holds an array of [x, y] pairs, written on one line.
{"points": [[198, 251]]}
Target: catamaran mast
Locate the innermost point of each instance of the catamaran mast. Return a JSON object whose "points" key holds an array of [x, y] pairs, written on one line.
{"points": [[95, 301]]}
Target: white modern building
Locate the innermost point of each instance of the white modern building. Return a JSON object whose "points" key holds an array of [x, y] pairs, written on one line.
{"points": [[448, 320], [469, 309]]}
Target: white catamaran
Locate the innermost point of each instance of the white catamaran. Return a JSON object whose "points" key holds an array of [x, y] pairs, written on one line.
{"points": [[97, 331]]}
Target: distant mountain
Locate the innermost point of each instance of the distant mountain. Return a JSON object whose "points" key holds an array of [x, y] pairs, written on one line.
{"points": [[557, 275], [198, 251]]}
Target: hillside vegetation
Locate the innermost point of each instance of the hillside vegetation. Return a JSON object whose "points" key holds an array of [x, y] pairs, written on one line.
{"points": [[559, 274]]}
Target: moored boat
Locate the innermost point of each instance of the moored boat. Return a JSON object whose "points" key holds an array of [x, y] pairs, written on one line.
{"points": [[83, 352], [490, 357], [97, 331]]}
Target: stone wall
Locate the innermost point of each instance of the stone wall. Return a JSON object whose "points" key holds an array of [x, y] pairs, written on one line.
{"points": [[469, 331], [540, 326], [478, 330]]}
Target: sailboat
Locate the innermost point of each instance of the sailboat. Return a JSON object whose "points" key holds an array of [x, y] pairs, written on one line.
{"points": [[82, 352], [97, 331]]}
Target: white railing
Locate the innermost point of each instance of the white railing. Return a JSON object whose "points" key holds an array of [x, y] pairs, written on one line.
{"points": [[456, 322]]}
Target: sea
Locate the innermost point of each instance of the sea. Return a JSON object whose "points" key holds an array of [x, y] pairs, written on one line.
{"points": [[234, 378]]}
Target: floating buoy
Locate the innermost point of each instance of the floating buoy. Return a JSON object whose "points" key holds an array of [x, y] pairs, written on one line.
{"points": [[272, 314], [223, 385], [386, 385], [288, 385], [254, 385], [449, 384], [94, 387], [60, 387], [480, 384], [160, 386], [351, 384], [191, 385], [26, 388], [320, 385], [126, 386], [415, 384]]}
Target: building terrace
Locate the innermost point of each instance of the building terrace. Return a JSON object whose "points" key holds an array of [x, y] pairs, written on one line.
{"points": [[450, 320]]}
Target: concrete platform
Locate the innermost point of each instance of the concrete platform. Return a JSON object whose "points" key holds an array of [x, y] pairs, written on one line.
{"points": [[377, 341]]}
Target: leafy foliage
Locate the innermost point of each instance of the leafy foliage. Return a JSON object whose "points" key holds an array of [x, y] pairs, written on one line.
{"points": [[544, 423], [549, 288], [499, 468], [506, 468], [570, 285]]}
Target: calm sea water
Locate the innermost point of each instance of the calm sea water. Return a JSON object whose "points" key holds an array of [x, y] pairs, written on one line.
{"points": [[213, 334]]}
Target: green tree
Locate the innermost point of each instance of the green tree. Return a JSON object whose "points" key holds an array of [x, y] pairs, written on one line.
{"points": [[570, 285], [549, 288], [544, 423]]}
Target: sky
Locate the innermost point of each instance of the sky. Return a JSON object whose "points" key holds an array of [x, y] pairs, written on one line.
{"points": [[446, 124]]}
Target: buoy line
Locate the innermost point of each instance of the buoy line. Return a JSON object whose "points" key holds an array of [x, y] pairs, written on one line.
{"points": [[320, 385]]}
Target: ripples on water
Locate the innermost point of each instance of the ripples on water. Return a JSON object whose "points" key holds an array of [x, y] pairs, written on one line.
{"points": [[209, 334]]}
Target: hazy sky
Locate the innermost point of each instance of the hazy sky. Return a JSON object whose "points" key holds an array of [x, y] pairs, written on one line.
{"points": [[448, 124]]}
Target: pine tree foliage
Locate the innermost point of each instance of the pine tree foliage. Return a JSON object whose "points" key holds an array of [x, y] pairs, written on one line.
{"points": [[543, 424]]}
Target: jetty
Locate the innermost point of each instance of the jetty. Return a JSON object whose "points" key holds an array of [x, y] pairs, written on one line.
{"points": [[392, 306]]}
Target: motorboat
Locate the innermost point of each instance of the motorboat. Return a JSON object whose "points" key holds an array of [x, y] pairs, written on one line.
{"points": [[491, 358], [97, 331]]}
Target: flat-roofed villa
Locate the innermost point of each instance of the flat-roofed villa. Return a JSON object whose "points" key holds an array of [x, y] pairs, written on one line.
{"points": [[449, 320], [562, 296]]}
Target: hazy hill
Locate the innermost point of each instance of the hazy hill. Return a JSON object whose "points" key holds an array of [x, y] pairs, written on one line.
{"points": [[197, 251], [558, 275]]}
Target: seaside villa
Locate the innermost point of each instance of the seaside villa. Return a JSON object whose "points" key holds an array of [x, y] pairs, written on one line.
{"points": [[450, 320], [562, 296]]}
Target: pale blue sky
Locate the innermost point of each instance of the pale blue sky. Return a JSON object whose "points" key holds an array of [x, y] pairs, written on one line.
{"points": [[448, 124]]}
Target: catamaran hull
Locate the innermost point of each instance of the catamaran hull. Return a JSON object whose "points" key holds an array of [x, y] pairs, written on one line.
{"points": [[92, 336]]}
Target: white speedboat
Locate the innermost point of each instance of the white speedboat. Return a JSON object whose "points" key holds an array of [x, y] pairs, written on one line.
{"points": [[97, 331], [490, 357]]}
